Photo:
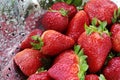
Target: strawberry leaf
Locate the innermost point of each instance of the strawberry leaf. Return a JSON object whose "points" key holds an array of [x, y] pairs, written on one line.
{"points": [[94, 22], [38, 42], [116, 16], [109, 57], [90, 29], [41, 69], [76, 48], [77, 2], [63, 12], [102, 77], [83, 63], [100, 29], [69, 1]]}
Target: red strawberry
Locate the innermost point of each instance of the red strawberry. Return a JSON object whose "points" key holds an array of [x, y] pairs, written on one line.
{"points": [[28, 61], [76, 26], [55, 42], [68, 66], [115, 30], [56, 20], [96, 43], [40, 76], [27, 42], [91, 77], [101, 9], [70, 8], [112, 71]]}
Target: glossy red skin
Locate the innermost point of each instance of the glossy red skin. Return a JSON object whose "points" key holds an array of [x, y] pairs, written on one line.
{"points": [[70, 8], [112, 71], [55, 42], [96, 47], [115, 30], [91, 77], [76, 26], [28, 61], [26, 43], [40, 76], [66, 67], [54, 21], [101, 9]]}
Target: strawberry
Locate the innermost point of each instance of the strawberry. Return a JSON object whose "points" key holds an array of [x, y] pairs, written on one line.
{"points": [[94, 77], [29, 61], [101, 9], [76, 26], [55, 42], [69, 65], [96, 43], [70, 8], [115, 30], [112, 70], [55, 20], [40, 76], [26, 43], [91, 77]]}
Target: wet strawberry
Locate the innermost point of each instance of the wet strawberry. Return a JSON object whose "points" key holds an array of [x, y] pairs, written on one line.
{"points": [[70, 8], [68, 66], [40, 76], [96, 43], [112, 71], [55, 42], [115, 30], [29, 61], [91, 77], [55, 20], [101, 9], [94, 77], [26, 43], [76, 26]]}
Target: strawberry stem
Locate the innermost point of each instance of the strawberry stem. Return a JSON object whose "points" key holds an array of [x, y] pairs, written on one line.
{"points": [[116, 16], [102, 77], [93, 28], [83, 63], [63, 12], [38, 42]]}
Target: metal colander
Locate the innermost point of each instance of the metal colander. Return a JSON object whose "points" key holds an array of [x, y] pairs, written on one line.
{"points": [[12, 32]]}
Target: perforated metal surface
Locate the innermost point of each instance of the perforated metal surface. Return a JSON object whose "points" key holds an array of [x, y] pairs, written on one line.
{"points": [[12, 32]]}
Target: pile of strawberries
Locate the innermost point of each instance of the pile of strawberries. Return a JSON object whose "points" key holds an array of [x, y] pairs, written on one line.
{"points": [[75, 44]]}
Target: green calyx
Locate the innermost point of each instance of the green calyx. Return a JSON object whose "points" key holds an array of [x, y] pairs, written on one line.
{"points": [[93, 28], [101, 77], [38, 42], [41, 69], [62, 11], [116, 16], [83, 63]]}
